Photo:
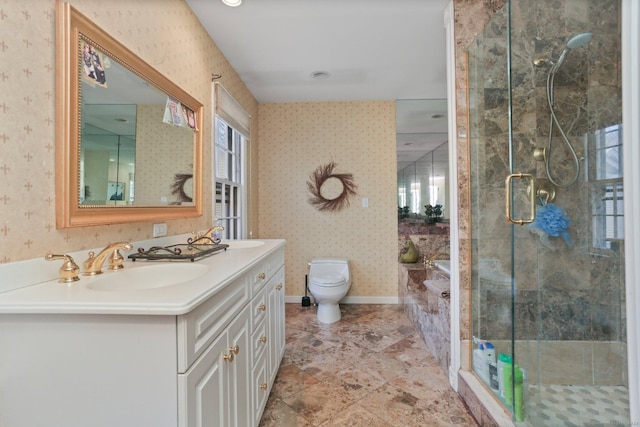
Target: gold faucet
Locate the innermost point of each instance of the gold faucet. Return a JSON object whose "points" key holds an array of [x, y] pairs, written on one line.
{"points": [[208, 233], [93, 264], [430, 262]]}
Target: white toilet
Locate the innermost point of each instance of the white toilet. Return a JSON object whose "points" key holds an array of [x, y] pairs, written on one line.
{"points": [[329, 282]]}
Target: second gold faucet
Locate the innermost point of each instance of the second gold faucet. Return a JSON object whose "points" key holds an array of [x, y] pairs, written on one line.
{"points": [[93, 264]]}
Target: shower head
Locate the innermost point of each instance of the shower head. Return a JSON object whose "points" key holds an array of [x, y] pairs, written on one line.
{"points": [[575, 42], [579, 40]]}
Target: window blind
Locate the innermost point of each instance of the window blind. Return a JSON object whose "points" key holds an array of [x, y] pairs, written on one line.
{"points": [[231, 111]]}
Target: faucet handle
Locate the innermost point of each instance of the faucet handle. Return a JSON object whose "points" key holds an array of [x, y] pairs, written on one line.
{"points": [[69, 271], [115, 260]]}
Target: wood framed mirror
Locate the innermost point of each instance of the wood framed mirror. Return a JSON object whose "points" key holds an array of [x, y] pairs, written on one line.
{"points": [[128, 140]]}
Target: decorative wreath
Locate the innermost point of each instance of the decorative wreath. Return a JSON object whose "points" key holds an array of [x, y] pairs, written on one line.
{"points": [[319, 177], [178, 188]]}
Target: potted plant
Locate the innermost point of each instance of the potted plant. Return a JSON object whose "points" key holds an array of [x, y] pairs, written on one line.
{"points": [[433, 213], [403, 212]]}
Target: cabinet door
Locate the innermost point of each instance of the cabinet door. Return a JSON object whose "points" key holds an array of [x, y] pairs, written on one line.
{"points": [[203, 397], [275, 321], [260, 386], [240, 371]]}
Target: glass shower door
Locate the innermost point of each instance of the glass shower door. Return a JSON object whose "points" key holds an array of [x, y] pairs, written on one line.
{"points": [[548, 297]]}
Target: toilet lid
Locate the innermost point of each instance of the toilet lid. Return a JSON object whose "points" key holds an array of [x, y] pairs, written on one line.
{"points": [[329, 279]]}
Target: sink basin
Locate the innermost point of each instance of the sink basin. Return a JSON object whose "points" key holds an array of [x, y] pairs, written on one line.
{"points": [[147, 277], [243, 244]]}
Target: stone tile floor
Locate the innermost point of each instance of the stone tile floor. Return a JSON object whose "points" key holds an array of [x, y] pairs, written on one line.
{"points": [[370, 369]]}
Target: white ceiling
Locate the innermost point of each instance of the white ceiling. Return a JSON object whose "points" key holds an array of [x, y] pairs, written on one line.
{"points": [[373, 50]]}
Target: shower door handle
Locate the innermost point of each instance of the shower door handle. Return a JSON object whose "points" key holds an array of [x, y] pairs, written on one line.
{"points": [[532, 194]]}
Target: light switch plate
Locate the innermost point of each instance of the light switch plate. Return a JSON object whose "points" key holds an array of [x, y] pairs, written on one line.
{"points": [[159, 230]]}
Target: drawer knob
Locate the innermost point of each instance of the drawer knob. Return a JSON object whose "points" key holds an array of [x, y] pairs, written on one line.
{"points": [[263, 340], [262, 307], [261, 276], [228, 357], [278, 286], [235, 349], [263, 386]]}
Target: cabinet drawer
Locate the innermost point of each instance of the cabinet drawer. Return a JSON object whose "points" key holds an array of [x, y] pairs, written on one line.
{"points": [[259, 342], [259, 307], [261, 274], [200, 327]]}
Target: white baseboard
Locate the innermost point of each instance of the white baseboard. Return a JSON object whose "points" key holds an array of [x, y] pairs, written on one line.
{"points": [[292, 299]]}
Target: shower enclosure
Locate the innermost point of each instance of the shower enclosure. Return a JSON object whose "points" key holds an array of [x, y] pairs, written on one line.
{"points": [[548, 286]]}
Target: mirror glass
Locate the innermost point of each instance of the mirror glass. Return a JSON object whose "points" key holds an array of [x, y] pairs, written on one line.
{"points": [[130, 139], [423, 156]]}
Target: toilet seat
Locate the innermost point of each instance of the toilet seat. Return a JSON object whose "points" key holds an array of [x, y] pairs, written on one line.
{"points": [[329, 280]]}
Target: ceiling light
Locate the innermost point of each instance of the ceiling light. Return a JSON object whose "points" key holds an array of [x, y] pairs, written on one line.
{"points": [[320, 75], [232, 3]]}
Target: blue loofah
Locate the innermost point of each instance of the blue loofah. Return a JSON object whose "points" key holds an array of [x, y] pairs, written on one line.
{"points": [[551, 221]]}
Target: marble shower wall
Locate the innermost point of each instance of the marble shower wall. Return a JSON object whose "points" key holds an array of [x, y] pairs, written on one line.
{"points": [[568, 293]]}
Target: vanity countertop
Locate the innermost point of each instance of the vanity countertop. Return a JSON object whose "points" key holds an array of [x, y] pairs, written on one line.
{"points": [[78, 297]]}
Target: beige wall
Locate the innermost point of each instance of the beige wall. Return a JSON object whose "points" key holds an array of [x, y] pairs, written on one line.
{"points": [[296, 138], [167, 35]]}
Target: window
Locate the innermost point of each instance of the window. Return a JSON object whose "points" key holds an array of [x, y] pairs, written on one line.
{"points": [[231, 129], [607, 186], [230, 197], [415, 197]]}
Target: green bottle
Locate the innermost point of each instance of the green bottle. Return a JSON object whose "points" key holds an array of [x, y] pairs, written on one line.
{"points": [[519, 395], [508, 385], [503, 360]]}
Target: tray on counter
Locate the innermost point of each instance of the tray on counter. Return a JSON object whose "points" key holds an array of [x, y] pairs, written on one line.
{"points": [[189, 251]]}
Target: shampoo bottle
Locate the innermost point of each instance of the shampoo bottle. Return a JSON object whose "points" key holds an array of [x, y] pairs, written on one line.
{"points": [[489, 354], [480, 366], [490, 368], [493, 377], [503, 359]]}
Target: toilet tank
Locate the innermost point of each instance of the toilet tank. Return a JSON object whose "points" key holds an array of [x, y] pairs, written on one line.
{"points": [[330, 265]]}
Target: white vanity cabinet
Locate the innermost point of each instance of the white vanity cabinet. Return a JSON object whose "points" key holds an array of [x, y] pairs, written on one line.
{"points": [[211, 365], [234, 366]]}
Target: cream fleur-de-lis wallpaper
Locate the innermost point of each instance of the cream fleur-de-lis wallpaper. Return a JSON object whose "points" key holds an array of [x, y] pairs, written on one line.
{"points": [[296, 138], [167, 35]]}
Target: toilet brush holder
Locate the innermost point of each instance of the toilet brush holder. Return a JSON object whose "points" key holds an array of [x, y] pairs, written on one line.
{"points": [[306, 301]]}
